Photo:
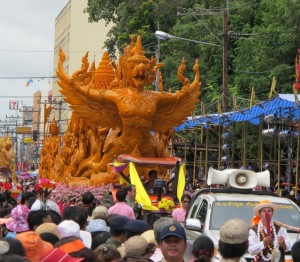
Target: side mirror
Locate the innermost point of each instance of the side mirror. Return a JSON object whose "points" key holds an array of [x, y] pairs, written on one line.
{"points": [[193, 224]]}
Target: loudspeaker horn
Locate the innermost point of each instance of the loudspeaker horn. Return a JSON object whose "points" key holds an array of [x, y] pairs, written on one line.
{"points": [[244, 179], [263, 178], [217, 177]]}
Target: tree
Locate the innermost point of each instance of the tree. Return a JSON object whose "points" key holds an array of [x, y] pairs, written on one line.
{"points": [[134, 17], [263, 39]]}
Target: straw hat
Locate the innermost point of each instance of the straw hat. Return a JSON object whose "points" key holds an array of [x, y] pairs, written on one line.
{"points": [[48, 228], [263, 204], [149, 236]]}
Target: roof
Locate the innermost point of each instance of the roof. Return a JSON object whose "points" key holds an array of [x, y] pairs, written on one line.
{"points": [[282, 106]]}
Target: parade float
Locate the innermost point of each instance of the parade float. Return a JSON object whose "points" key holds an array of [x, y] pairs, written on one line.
{"points": [[114, 112], [7, 159]]}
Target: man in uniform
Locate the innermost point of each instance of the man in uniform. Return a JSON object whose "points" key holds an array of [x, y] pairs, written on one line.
{"points": [[173, 243]]}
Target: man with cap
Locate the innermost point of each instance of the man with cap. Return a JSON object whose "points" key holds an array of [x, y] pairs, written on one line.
{"points": [[135, 228], [157, 228], [266, 237], [117, 231], [233, 242], [173, 243]]}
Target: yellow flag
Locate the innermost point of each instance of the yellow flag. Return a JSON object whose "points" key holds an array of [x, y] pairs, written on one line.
{"points": [[141, 195], [181, 182]]}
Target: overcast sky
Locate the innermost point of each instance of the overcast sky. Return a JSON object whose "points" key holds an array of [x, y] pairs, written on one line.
{"points": [[26, 49]]}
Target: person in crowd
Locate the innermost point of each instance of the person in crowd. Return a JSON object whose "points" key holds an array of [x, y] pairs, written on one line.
{"points": [[130, 195], [97, 225], [107, 253], [76, 213], [55, 216], [266, 236], [13, 258], [121, 208], [58, 255], [48, 232], [18, 222], [99, 232], [157, 228], [99, 212], [75, 248], [117, 231], [8, 184], [135, 228], [149, 236], [233, 242], [4, 247], [34, 246], [149, 184], [50, 238], [99, 238], [43, 189], [136, 248], [15, 247], [179, 213], [173, 243], [203, 249], [88, 202], [25, 198], [79, 215], [36, 218], [69, 228], [296, 251], [107, 201]]}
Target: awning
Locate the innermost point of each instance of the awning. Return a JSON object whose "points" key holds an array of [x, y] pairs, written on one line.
{"points": [[281, 106]]}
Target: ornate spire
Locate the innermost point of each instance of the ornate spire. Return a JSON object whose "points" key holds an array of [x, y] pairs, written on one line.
{"points": [[53, 128], [104, 74], [138, 56]]}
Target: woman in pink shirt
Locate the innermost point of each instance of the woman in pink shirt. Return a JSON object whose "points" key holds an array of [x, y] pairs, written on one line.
{"points": [[180, 212]]}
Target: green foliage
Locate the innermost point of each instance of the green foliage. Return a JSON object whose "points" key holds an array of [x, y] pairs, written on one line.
{"points": [[263, 41]]}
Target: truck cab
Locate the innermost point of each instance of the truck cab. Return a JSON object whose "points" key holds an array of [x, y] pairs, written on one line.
{"points": [[211, 207]]}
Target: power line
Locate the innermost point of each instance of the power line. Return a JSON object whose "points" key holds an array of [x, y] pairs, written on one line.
{"points": [[47, 51], [262, 72], [246, 5], [26, 77]]}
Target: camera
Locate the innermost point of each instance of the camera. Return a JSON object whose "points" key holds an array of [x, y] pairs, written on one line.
{"points": [[9, 198]]}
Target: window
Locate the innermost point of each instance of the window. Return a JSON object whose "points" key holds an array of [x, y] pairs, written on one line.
{"points": [[202, 211]]}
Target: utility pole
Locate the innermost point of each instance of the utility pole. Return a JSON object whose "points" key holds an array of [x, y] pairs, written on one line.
{"points": [[157, 55], [206, 12], [225, 59]]}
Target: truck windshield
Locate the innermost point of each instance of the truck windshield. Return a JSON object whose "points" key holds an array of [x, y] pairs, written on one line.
{"points": [[225, 210]]}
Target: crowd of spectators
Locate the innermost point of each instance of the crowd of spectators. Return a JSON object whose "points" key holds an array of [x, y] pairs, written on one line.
{"points": [[34, 229]]}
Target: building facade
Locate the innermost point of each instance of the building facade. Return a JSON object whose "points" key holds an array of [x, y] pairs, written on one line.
{"points": [[75, 36]]}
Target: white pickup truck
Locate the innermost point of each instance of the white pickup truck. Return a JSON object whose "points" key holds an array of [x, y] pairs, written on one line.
{"points": [[210, 208]]}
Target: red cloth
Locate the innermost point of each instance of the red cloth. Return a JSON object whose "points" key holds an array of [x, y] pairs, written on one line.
{"points": [[7, 185]]}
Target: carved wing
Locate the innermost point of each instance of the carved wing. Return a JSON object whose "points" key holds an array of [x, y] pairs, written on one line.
{"points": [[174, 108], [104, 114]]}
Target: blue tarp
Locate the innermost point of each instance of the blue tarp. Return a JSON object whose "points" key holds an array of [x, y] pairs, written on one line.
{"points": [[282, 106]]}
